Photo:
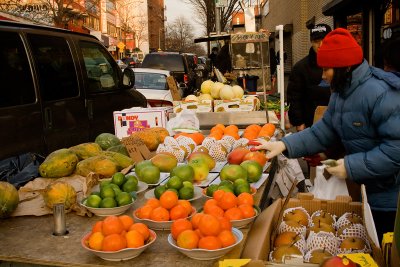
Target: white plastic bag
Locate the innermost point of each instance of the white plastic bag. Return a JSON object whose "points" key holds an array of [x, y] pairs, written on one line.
{"points": [[185, 121], [328, 189]]}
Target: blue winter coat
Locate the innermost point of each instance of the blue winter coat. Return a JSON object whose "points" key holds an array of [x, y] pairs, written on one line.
{"points": [[366, 118]]}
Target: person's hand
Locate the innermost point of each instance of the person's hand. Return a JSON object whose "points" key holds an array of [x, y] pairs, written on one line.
{"points": [[273, 148], [339, 170], [300, 127]]}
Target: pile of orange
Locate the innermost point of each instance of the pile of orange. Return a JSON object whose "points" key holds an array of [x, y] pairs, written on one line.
{"points": [[220, 130], [251, 131], [227, 205], [203, 231], [118, 232], [167, 208], [196, 137]]}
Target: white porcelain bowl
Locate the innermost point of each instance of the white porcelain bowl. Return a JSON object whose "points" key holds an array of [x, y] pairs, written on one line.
{"points": [[244, 222], [205, 254], [107, 211], [156, 225], [120, 255]]}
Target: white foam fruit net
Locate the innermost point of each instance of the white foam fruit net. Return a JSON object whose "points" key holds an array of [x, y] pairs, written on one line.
{"points": [[170, 141], [240, 142], [208, 142], [231, 140], [284, 227], [218, 152], [354, 230], [321, 212], [300, 244], [226, 144], [174, 150], [321, 240], [300, 208], [186, 141]]}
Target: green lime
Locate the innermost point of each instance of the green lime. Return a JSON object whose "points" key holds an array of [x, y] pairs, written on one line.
{"points": [[107, 191], [104, 183], [225, 188], [116, 189], [240, 181], [211, 189], [123, 199], [97, 193], [228, 184], [131, 177], [185, 172], [108, 202], [186, 193], [242, 189], [159, 190], [130, 186], [187, 184], [93, 201], [174, 182], [118, 178]]}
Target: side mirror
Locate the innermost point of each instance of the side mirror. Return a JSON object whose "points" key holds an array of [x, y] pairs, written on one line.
{"points": [[128, 78]]}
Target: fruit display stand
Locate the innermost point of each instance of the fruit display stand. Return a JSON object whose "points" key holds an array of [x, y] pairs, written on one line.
{"points": [[29, 240]]}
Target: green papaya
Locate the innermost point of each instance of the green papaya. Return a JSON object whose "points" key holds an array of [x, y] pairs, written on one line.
{"points": [[101, 164], [86, 150], [107, 140], [120, 149], [59, 163], [122, 160]]}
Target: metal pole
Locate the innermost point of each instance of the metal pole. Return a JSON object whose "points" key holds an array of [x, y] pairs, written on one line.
{"points": [[281, 83], [217, 20]]}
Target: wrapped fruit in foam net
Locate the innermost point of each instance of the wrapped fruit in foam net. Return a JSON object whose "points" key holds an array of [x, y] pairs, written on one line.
{"points": [[174, 150], [226, 144], [231, 140], [170, 141], [240, 142], [292, 226], [287, 238], [348, 218], [298, 214], [279, 253], [186, 141], [208, 142], [218, 152], [327, 243], [323, 216], [353, 238]]}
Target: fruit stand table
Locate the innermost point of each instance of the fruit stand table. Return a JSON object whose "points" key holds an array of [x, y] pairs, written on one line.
{"points": [[29, 240]]}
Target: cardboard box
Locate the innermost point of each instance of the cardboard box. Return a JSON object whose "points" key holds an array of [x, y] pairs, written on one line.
{"points": [[197, 106], [261, 235], [135, 119], [234, 105]]}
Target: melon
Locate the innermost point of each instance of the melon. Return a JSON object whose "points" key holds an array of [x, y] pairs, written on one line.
{"points": [[9, 199], [226, 93], [205, 87], [59, 192], [215, 88], [205, 97], [191, 98], [237, 91]]}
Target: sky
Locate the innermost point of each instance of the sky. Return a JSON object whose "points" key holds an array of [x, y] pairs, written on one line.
{"points": [[176, 8]]}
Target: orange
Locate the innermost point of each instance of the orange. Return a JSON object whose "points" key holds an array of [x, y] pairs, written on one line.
{"points": [[231, 129], [168, 199], [229, 200], [209, 225], [233, 134], [197, 138], [225, 223], [227, 238], [134, 239], [112, 225], [247, 210], [218, 194], [217, 136], [214, 210], [97, 227], [210, 243], [186, 204], [144, 212], [178, 212], [141, 228], [154, 202], [198, 232], [187, 239], [196, 220], [160, 214], [126, 221], [208, 203], [179, 226], [96, 241], [233, 214], [216, 130], [220, 125], [245, 198], [114, 242]]}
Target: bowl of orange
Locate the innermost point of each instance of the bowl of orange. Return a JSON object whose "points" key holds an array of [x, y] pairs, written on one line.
{"points": [[207, 254], [253, 191], [241, 223], [118, 238], [158, 214]]}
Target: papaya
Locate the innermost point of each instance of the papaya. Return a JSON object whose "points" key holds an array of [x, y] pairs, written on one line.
{"points": [[161, 133], [86, 150], [101, 164], [122, 160], [59, 163], [59, 192], [9, 199], [149, 138], [107, 140], [120, 149]]}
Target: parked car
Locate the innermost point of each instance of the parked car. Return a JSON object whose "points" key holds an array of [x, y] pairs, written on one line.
{"points": [[121, 64], [58, 88], [178, 64], [132, 62], [152, 83]]}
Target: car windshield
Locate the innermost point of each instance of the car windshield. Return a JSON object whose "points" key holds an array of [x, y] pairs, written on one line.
{"points": [[155, 81], [169, 62]]}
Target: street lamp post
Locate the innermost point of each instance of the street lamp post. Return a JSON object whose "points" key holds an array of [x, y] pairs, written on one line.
{"points": [[159, 39]]}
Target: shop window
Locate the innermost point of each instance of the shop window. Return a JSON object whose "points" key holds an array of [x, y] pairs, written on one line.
{"points": [[354, 26]]}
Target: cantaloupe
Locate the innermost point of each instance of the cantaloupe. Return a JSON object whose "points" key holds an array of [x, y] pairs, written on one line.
{"points": [[205, 87], [215, 88], [226, 93], [237, 91]]}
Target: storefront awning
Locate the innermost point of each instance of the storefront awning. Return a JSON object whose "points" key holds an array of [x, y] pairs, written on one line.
{"points": [[212, 38], [344, 7]]}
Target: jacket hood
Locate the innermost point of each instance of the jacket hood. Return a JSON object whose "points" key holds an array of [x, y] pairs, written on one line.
{"points": [[390, 78]]}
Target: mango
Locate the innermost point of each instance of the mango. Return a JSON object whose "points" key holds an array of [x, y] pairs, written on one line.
{"points": [[203, 156], [165, 162], [232, 172]]}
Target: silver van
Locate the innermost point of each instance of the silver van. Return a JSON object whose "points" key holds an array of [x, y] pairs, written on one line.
{"points": [[57, 89]]}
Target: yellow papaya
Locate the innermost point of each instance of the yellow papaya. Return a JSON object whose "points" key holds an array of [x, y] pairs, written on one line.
{"points": [[59, 163], [149, 138], [59, 192], [86, 150], [101, 164], [122, 160]]}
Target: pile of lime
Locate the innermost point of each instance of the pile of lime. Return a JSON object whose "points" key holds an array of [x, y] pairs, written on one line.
{"points": [[184, 189], [116, 192], [237, 187]]}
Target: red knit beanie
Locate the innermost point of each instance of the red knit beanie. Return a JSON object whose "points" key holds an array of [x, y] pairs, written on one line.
{"points": [[339, 49]]}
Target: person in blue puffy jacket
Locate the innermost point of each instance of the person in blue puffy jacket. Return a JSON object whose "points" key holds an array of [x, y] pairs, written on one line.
{"points": [[364, 114]]}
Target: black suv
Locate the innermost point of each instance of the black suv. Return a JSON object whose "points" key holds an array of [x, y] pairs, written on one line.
{"points": [[181, 66]]}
